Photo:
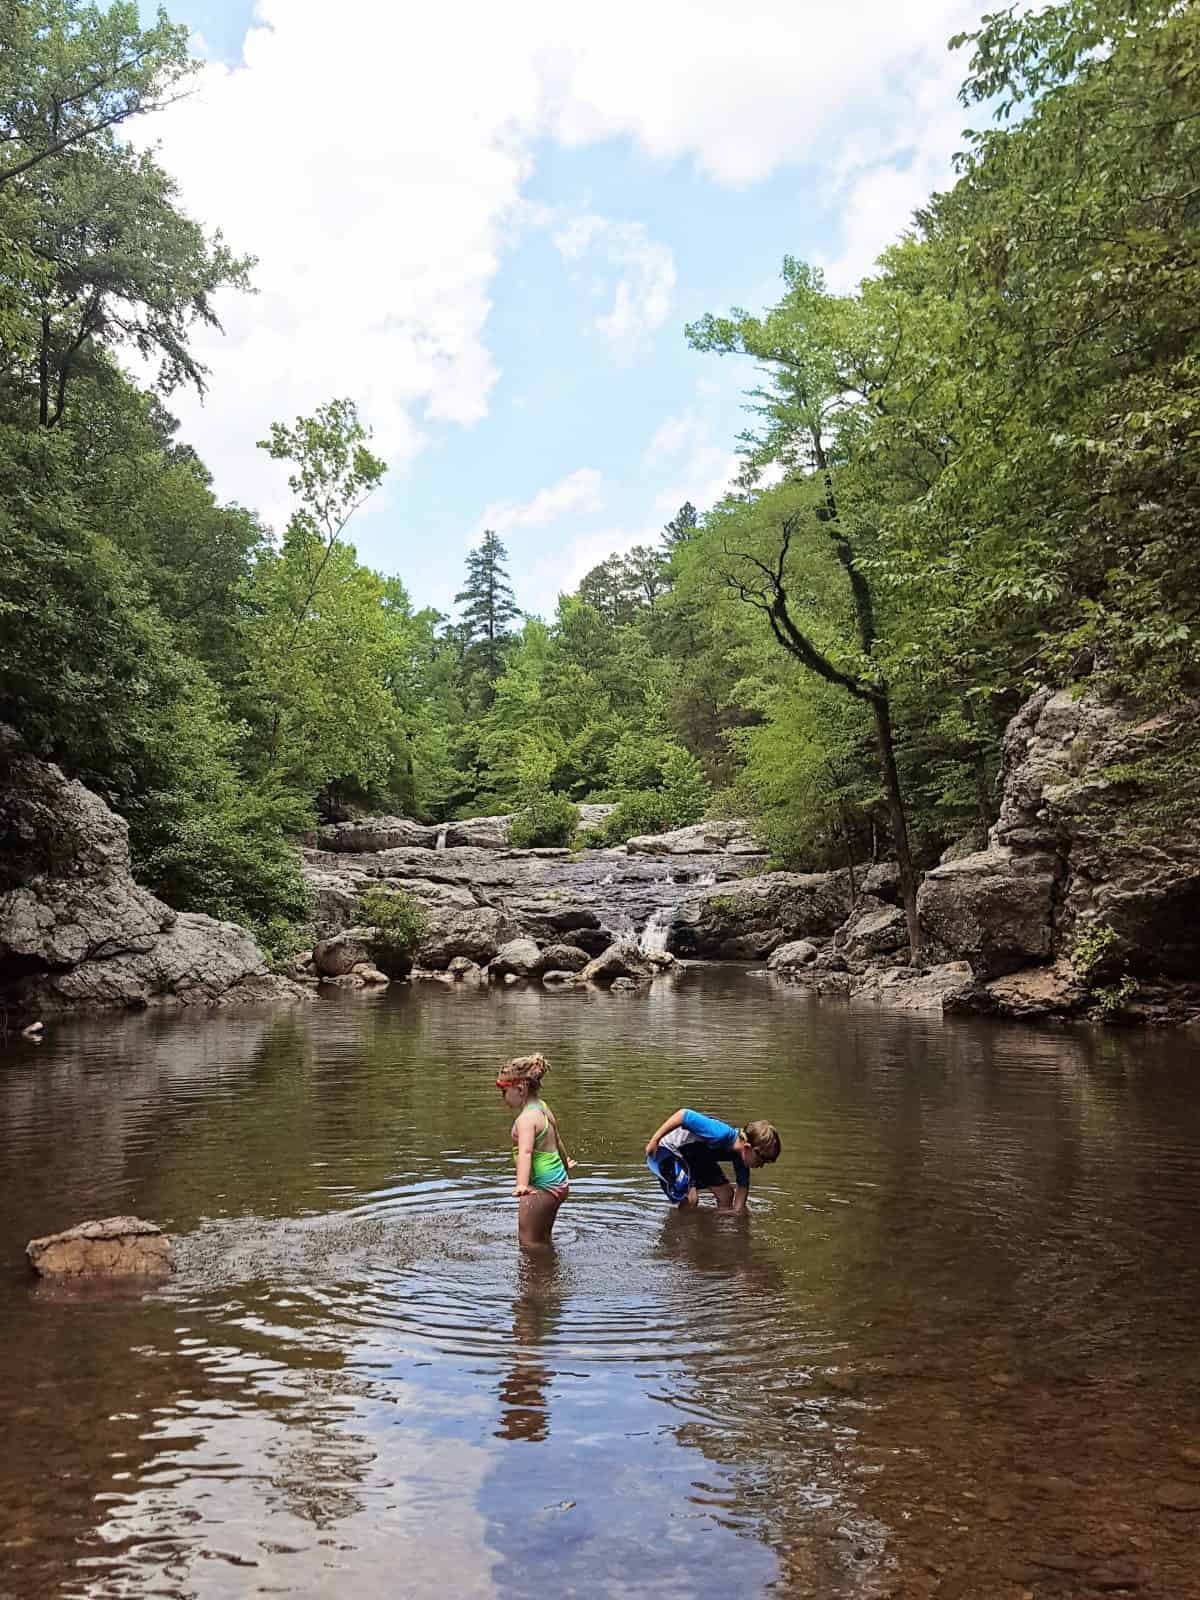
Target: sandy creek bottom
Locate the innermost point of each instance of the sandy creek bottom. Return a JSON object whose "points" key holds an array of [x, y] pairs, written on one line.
{"points": [[952, 1351]]}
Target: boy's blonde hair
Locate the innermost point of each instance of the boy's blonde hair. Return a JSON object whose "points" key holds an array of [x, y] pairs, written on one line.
{"points": [[763, 1139], [524, 1069]]}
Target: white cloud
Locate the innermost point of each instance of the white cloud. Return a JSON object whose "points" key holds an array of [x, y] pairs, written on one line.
{"points": [[577, 494], [645, 276], [882, 180], [376, 167], [674, 435]]}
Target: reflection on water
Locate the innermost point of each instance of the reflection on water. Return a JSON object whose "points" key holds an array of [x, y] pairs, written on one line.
{"points": [[951, 1350]]}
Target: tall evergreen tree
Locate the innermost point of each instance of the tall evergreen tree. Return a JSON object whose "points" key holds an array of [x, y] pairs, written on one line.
{"points": [[681, 527], [489, 604]]}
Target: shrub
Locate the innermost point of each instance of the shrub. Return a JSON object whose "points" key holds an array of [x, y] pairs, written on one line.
{"points": [[398, 925], [545, 819]]}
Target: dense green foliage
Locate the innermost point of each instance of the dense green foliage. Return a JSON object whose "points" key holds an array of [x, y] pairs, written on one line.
{"points": [[977, 472], [398, 925]]}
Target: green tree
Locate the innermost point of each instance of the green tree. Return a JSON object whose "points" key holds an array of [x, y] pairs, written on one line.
{"points": [[69, 72], [830, 360], [489, 604]]}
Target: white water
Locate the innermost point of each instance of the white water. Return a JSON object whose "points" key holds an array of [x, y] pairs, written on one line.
{"points": [[707, 881], [653, 941], [440, 842]]}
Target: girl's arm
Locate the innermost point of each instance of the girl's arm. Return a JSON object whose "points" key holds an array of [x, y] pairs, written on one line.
{"points": [[562, 1149], [675, 1120], [526, 1133]]}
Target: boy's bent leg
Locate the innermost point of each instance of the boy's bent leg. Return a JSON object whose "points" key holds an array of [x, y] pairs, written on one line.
{"points": [[535, 1216], [723, 1194]]}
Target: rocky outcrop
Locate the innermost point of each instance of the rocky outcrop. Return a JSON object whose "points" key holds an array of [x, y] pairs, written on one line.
{"points": [[994, 909], [589, 898], [730, 837], [1087, 897], [476, 934], [114, 1247], [77, 931], [749, 918]]}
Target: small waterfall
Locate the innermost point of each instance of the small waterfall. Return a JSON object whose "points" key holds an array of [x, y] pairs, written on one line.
{"points": [[653, 941], [707, 881], [440, 843]]}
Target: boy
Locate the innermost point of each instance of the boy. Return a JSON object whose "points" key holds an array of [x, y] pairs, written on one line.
{"points": [[699, 1143]]}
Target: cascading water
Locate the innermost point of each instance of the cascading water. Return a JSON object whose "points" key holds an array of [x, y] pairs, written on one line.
{"points": [[440, 842], [655, 934]]}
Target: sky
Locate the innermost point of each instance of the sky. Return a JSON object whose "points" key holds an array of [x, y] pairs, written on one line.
{"points": [[488, 226]]}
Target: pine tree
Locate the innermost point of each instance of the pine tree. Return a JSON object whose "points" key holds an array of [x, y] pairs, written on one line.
{"points": [[681, 527], [488, 603]]}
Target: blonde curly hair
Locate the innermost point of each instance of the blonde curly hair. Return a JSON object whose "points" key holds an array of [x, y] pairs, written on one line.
{"points": [[523, 1069]]}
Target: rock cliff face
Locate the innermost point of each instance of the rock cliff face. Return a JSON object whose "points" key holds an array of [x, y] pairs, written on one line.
{"points": [[1087, 897], [76, 930]]}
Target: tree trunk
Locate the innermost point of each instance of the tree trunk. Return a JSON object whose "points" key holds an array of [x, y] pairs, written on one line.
{"points": [[885, 745]]}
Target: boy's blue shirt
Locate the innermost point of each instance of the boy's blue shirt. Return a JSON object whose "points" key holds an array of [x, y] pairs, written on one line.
{"points": [[721, 1138]]}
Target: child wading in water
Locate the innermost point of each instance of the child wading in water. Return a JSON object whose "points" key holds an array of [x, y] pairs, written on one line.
{"points": [[538, 1149], [693, 1146]]}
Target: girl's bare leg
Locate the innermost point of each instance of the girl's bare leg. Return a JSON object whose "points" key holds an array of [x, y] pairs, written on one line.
{"points": [[535, 1216]]}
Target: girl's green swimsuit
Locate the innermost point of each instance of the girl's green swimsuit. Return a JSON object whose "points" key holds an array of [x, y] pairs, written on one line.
{"points": [[546, 1170]]}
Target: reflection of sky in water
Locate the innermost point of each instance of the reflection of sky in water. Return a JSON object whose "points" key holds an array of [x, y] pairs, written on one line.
{"points": [[357, 1386]]}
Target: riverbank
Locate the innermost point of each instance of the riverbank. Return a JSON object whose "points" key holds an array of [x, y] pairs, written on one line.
{"points": [[1085, 901]]}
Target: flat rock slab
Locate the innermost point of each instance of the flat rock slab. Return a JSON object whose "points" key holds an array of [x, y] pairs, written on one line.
{"points": [[112, 1247]]}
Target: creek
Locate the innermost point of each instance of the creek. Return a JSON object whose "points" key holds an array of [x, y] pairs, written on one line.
{"points": [[951, 1350]]}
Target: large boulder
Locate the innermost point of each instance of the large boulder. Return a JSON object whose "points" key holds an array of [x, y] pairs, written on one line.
{"points": [[520, 957], [477, 934], [873, 931], [789, 957], [562, 958], [731, 837], [934, 989], [994, 909], [480, 833], [618, 961], [113, 1247], [334, 958], [747, 919]]}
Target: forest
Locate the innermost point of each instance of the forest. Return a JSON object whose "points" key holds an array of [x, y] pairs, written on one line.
{"points": [[976, 474]]}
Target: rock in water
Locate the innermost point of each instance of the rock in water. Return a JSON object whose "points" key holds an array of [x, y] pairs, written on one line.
{"points": [[114, 1247], [618, 961]]}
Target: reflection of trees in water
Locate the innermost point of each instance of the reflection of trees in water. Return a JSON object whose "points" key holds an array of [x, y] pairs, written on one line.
{"points": [[525, 1377]]}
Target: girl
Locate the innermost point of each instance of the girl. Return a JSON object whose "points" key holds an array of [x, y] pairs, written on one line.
{"points": [[538, 1149]]}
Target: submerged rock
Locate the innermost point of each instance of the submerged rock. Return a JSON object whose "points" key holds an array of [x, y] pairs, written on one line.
{"points": [[114, 1247]]}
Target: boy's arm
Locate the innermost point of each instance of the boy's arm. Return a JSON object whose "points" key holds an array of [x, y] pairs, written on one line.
{"points": [[526, 1133], [675, 1120], [740, 1197]]}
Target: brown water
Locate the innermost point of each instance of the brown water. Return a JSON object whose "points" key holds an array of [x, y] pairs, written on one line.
{"points": [[951, 1351]]}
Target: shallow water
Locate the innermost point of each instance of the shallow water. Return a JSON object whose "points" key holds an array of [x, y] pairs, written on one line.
{"points": [[951, 1351]]}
